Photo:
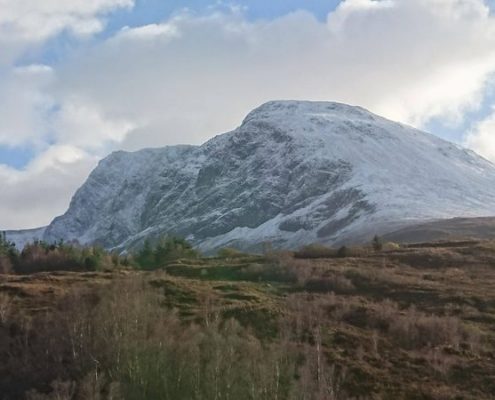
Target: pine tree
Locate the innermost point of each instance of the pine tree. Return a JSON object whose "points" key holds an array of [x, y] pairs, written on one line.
{"points": [[377, 243]]}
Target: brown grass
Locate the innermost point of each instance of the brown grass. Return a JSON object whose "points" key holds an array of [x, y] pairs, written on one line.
{"points": [[401, 323]]}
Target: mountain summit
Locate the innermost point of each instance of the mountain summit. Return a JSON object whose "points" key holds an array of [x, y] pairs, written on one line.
{"points": [[293, 173]]}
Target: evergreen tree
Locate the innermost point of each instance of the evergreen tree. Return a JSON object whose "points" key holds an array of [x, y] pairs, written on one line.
{"points": [[377, 243], [144, 257], [8, 254], [166, 250]]}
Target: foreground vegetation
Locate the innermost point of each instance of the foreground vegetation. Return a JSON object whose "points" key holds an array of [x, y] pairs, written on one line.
{"points": [[41, 256], [377, 322]]}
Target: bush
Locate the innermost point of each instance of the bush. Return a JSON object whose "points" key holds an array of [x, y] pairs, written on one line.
{"points": [[315, 251], [6, 266], [391, 246], [415, 330], [377, 243], [8, 255], [229, 252], [5, 307], [41, 256], [343, 252], [44, 257], [333, 283], [273, 272], [166, 250], [91, 262]]}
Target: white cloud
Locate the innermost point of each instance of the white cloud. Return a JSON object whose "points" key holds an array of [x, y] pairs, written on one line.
{"points": [[24, 104], [35, 20], [33, 196], [148, 31], [353, 8], [482, 137], [192, 76], [416, 60], [79, 124], [24, 23]]}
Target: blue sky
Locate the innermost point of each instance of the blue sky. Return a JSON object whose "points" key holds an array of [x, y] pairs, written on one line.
{"points": [[16, 157], [146, 12], [150, 11], [81, 79]]}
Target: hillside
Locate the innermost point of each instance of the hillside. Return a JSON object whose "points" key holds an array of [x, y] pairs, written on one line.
{"points": [[293, 173], [448, 229], [401, 323]]}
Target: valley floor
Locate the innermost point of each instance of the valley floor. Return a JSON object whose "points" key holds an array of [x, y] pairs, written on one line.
{"points": [[415, 322]]}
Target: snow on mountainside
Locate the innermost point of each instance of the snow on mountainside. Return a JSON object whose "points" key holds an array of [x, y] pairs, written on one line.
{"points": [[23, 237], [292, 173]]}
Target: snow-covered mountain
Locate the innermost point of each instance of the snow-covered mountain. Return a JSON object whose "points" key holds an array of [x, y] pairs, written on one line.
{"points": [[293, 173], [23, 237]]}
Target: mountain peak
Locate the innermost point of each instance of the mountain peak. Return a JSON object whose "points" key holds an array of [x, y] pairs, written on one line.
{"points": [[295, 172], [299, 108]]}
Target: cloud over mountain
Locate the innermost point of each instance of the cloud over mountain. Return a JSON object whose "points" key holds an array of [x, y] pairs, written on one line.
{"points": [[192, 75]]}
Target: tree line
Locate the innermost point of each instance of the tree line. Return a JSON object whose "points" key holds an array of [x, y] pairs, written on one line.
{"points": [[41, 256]]}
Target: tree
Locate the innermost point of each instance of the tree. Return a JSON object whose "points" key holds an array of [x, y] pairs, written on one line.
{"points": [[8, 254], [377, 243], [167, 249], [343, 252], [144, 257]]}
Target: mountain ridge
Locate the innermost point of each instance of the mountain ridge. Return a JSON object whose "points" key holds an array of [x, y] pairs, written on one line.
{"points": [[292, 173]]}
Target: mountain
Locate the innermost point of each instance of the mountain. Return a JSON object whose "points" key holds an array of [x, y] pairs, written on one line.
{"points": [[293, 173], [22, 237]]}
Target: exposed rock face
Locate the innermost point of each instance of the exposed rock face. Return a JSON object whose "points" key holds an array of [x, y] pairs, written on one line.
{"points": [[292, 173]]}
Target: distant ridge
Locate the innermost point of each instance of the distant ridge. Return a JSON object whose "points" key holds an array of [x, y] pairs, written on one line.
{"points": [[448, 229], [22, 237]]}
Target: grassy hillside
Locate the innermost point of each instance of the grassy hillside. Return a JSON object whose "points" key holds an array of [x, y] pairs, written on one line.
{"points": [[415, 322]]}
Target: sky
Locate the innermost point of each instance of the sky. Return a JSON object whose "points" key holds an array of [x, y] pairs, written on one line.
{"points": [[80, 79]]}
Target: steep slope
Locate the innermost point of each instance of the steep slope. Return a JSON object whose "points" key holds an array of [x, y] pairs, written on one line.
{"points": [[292, 173]]}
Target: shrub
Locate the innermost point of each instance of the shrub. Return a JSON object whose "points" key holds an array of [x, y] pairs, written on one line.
{"points": [[6, 266], [391, 246], [353, 251], [8, 254], [5, 307], [416, 330], [166, 250], [229, 252], [273, 272], [343, 252], [60, 391], [91, 262], [413, 329], [333, 283], [315, 251], [377, 243], [41, 256]]}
